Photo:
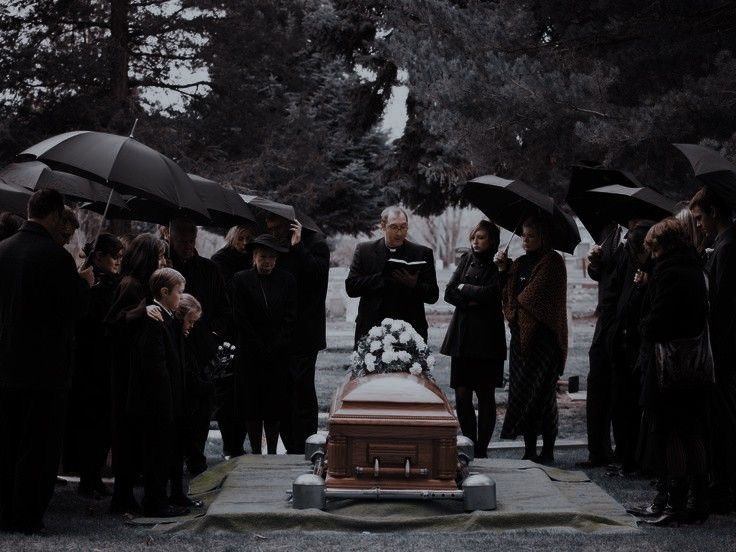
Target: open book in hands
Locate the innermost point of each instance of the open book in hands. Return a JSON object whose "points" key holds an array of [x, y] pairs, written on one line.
{"points": [[412, 267]]}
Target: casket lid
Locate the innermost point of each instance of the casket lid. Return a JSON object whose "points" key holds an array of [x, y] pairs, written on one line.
{"points": [[391, 395]]}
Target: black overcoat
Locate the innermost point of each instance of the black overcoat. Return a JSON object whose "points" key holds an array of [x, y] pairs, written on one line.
{"points": [[41, 297], [309, 263], [380, 297], [476, 329], [157, 371], [205, 282], [230, 262], [721, 269]]}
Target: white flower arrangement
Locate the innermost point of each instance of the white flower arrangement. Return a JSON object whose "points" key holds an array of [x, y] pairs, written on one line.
{"points": [[394, 346]]}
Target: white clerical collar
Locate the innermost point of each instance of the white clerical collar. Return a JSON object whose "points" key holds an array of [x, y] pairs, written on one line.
{"points": [[167, 311]]}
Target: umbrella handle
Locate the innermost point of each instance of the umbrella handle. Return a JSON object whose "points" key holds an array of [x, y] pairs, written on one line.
{"points": [[611, 233], [88, 260]]}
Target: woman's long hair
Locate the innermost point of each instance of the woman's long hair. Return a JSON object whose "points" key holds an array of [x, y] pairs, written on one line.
{"points": [[107, 244], [142, 257]]}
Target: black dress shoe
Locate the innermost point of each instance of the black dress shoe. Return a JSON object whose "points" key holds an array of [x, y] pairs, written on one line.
{"points": [[591, 463], [185, 502], [126, 507], [544, 459], [669, 518], [652, 511], [166, 512]]}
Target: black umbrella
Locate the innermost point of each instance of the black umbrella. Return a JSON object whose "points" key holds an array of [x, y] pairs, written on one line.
{"points": [[283, 210], [146, 210], [34, 175], [14, 199], [622, 204], [509, 202], [226, 207], [587, 208], [122, 163], [712, 169]]}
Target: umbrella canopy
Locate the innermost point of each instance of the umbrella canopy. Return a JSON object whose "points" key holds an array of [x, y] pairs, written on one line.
{"points": [[584, 178], [34, 175], [622, 204], [120, 162], [510, 202], [14, 199], [147, 210], [712, 169], [283, 210], [226, 207]]}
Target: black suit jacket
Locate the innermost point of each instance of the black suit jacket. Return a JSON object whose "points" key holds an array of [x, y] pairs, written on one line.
{"points": [[309, 263], [41, 297], [381, 297], [265, 326], [721, 269], [157, 375], [476, 329]]}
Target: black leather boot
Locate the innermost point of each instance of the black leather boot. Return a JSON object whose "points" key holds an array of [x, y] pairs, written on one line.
{"points": [[698, 507], [674, 512], [656, 508]]}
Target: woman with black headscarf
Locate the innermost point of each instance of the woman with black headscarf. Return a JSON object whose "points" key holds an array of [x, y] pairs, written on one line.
{"points": [[476, 337]]}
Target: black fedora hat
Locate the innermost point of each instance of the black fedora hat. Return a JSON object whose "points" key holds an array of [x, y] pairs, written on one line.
{"points": [[269, 242]]}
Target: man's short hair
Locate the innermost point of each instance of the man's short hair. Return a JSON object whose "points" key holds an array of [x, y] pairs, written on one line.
{"points": [[68, 216], [708, 201], [165, 278], [44, 203], [392, 210]]}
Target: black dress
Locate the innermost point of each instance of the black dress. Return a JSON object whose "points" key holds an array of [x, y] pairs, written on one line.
{"points": [[476, 337]]}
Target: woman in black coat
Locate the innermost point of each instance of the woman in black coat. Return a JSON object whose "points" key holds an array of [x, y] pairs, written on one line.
{"points": [[90, 413], [476, 337], [264, 306], [234, 256], [130, 305], [677, 309]]}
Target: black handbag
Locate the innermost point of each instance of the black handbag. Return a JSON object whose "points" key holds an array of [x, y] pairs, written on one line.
{"points": [[684, 364]]}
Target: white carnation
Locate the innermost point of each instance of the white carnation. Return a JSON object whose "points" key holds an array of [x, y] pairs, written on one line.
{"points": [[375, 332], [375, 345], [404, 356], [387, 321], [370, 366], [226, 344], [405, 337], [370, 359], [415, 369], [389, 340], [388, 357], [355, 357], [430, 362], [397, 325]]}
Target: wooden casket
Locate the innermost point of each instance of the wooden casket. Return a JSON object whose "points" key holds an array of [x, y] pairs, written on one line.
{"points": [[393, 431]]}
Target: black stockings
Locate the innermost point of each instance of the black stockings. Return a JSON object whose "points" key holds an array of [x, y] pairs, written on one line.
{"points": [[255, 435], [479, 429]]}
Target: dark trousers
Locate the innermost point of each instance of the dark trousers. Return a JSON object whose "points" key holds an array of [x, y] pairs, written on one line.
{"points": [[200, 406], [626, 415], [89, 430], [31, 430], [301, 410], [230, 422], [158, 452], [599, 401]]}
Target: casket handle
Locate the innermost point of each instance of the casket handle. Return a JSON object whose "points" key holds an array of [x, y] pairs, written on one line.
{"points": [[377, 471]]}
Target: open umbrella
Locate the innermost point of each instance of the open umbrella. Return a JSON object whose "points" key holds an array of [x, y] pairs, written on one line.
{"points": [[509, 202], [622, 204], [34, 175], [283, 210], [226, 207], [122, 163], [586, 207], [14, 199], [712, 169]]}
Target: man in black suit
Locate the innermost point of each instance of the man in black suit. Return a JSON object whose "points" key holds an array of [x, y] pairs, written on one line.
{"points": [[41, 296], [205, 282], [603, 261], [713, 217], [397, 293], [308, 261]]}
